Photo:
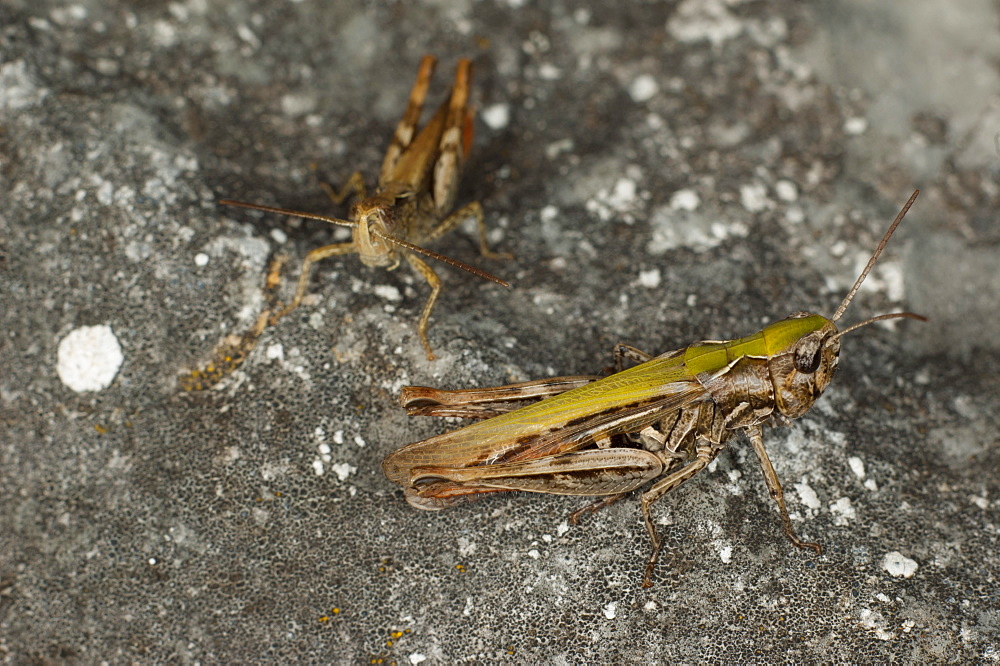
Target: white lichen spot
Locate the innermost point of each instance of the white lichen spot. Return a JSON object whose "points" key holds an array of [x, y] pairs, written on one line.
{"points": [[275, 351], [338, 437], [164, 34], [700, 20], [618, 201], [685, 200], [611, 610], [562, 528], [278, 236], [643, 88], [624, 191], [786, 190], [857, 466], [106, 193], [899, 565], [201, 259], [753, 197], [549, 72], [875, 622], [68, 14], [534, 554], [557, 148], [466, 548], [808, 496], [843, 511], [891, 276], [982, 502], [318, 468], [18, 89], [359, 440], [248, 36], [496, 116], [673, 230], [726, 554], [650, 279], [89, 358], [271, 471], [260, 516], [965, 406], [855, 126], [417, 658], [296, 105], [343, 470], [388, 292]]}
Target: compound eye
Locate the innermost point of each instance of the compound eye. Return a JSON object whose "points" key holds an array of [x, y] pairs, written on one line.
{"points": [[808, 354]]}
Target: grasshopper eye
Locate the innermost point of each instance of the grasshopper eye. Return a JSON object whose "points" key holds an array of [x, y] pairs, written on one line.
{"points": [[808, 353]]}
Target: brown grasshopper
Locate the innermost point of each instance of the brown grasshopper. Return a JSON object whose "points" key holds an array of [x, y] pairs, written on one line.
{"points": [[416, 190], [662, 421]]}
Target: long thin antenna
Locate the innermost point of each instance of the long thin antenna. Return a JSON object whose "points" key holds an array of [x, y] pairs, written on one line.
{"points": [[871, 262], [392, 239], [894, 315], [440, 257], [286, 211]]}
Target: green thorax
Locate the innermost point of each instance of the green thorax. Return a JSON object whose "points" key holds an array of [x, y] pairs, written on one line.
{"points": [[776, 338]]}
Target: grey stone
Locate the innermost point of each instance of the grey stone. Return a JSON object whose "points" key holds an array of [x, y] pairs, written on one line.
{"points": [[142, 523]]}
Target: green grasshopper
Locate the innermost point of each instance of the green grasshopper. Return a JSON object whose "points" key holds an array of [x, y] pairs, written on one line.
{"points": [[416, 191], [665, 419]]}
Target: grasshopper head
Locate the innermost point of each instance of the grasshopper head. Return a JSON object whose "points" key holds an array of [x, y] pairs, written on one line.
{"points": [[804, 368], [375, 224], [805, 347], [380, 237]]}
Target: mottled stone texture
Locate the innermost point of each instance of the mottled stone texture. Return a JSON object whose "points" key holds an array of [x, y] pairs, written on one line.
{"points": [[663, 172]]}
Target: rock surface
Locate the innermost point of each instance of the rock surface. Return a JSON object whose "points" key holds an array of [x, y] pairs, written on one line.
{"points": [[662, 172]]}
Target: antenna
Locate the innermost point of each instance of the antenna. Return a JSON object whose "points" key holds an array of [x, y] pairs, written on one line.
{"points": [[871, 262], [392, 239], [440, 257], [894, 315], [286, 211]]}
